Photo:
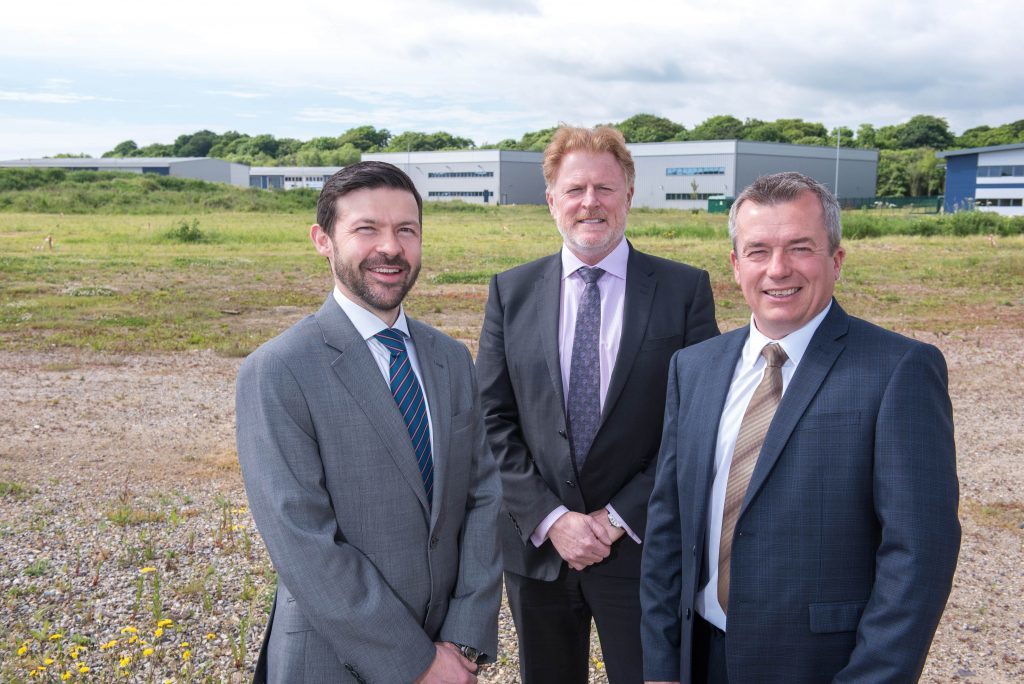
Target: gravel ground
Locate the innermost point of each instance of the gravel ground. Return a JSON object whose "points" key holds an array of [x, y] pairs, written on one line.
{"points": [[121, 505]]}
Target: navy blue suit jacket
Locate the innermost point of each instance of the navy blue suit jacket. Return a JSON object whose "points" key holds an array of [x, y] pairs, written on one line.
{"points": [[847, 540]]}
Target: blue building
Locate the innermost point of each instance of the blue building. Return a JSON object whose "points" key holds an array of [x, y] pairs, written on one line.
{"points": [[985, 178]]}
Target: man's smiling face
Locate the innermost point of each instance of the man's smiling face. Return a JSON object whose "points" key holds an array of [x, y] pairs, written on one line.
{"points": [[783, 263], [589, 201]]}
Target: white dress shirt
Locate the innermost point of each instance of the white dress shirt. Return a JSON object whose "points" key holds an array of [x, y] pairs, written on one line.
{"points": [[612, 286], [745, 379], [367, 324]]}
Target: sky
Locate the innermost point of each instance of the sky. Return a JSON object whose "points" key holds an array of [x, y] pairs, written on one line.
{"points": [[80, 77]]}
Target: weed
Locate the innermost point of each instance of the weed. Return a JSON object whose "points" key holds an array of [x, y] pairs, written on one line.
{"points": [[13, 490], [37, 568]]}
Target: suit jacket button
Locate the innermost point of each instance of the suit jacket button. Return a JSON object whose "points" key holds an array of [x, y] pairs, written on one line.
{"points": [[570, 483], [562, 433], [687, 613], [695, 551], [433, 542]]}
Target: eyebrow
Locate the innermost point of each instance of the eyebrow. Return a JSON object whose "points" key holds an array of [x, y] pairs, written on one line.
{"points": [[797, 241]]}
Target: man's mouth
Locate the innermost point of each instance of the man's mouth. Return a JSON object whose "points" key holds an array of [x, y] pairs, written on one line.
{"points": [[386, 270], [591, 220], [788, 292]]}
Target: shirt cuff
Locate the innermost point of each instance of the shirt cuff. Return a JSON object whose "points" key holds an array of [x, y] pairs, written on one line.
{"points": [[540, 534], [625, 527]]}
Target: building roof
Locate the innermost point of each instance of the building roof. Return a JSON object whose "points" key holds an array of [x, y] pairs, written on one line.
{"points": [[294, 170], [977, 150], [454, 156], [695, 147]]}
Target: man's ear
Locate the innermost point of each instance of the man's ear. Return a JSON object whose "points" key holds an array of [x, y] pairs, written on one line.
{"points": [[321, 240]]}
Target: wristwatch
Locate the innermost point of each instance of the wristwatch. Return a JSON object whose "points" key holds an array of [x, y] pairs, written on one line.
{"points": [[469, 653], [614, 521]]}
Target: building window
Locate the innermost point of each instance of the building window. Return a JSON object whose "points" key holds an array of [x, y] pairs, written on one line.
{"points": [[1000, 171], [998, 202], [695, 171], [460, 174], [690, 195], [458, 193]]}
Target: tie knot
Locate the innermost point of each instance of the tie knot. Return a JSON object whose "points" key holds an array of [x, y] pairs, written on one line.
{"points": [[774, 354], [590, 275], [392, 339]]}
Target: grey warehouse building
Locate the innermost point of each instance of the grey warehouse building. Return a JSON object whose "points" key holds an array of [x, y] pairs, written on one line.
{"points": [[684, 175], [476, 176], [288, 177], [199, 168]]}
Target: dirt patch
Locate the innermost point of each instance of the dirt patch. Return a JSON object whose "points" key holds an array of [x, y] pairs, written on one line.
{"points": [[104, 442]]}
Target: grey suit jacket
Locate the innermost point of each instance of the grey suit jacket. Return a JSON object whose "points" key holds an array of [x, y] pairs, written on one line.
{"points": [[668, 306], [368, 576], [848, 536]]}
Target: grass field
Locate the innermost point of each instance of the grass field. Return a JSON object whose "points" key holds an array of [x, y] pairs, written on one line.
{"points": [[125, 283]]}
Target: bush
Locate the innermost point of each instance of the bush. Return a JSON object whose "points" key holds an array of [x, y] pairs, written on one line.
{"points": [[186, 231]]}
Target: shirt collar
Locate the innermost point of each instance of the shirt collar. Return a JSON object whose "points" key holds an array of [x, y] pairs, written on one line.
{"points": [[794, 344], [366, 322], [614, 264]]}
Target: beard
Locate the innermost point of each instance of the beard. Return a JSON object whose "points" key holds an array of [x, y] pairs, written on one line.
{"points": [[376, 296]]}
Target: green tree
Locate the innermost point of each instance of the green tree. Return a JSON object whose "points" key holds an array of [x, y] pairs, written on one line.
{"points": [[846, 138], [866, 136], [721, 127], [126, 148], [365, 138], [196, 144], [924, 130], [984, 136], [414, 141], [649, 128]]}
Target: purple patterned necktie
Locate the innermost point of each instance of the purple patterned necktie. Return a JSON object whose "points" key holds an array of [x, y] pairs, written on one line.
{"points": [[584, 406], [409, 396]]}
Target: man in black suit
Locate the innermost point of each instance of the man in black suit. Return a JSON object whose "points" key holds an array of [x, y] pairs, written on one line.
{"points": [[573, 362]]}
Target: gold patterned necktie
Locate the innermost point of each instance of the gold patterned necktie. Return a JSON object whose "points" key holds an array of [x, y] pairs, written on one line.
{"points": [[749, 441]]}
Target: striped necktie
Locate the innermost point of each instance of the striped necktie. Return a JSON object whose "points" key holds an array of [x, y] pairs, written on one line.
{"points": [[753, 429], [409, 396]]}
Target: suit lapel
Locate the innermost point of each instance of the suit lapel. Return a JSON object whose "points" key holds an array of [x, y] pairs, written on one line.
{"points": [[357, 370], [437, 386], [824, 348], [548, 294], [640, 286], [717, 378]]}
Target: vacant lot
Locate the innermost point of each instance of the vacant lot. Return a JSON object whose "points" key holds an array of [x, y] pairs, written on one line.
{"points": [[125, 543]]}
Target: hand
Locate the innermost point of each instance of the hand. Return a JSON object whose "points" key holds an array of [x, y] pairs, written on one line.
{"points": [[601, 516], [449, 667], [580, 540]]}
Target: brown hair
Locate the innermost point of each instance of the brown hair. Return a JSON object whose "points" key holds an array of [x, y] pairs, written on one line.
{"points": [[599, 139], [786, 186]]}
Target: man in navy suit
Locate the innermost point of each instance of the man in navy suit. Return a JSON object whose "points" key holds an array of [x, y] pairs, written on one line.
{"points": [[829, 553]]}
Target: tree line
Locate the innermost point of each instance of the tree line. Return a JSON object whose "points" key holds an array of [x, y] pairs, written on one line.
{"points": [[907, 164]]}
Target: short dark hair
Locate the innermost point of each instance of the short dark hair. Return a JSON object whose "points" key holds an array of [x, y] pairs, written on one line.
{"points": [[786, 186], [365, 175]]}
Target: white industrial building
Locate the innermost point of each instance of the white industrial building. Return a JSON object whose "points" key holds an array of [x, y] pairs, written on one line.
{"points": [[288, 177], [475, 176], [199, 168], [684, 175], [985, 178]]}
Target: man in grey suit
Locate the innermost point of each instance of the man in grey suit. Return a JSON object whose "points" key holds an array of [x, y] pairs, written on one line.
{"points": [[573, 363], [803, 527], [362, 446]]}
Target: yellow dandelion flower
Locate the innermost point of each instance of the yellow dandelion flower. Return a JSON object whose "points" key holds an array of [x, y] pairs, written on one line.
{"points": [[147, 652], [54, 637], [211, 635], [185, 655], [147, 569], [600, 665], [66, 676], [128, 630], [125, 661], [159, 631], [74, 654], [165, 622], [185, 644], [41, 668], [133, 639], [23, 650], [84, 669], [47, 661], [110, 644]]}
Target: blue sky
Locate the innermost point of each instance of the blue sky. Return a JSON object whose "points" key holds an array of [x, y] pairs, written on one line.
{"points": [[81, 77]]}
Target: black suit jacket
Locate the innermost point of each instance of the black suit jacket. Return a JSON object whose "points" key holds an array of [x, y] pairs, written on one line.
{"points": [[668, 306]]}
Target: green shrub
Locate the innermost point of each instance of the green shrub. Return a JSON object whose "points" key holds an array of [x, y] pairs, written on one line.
{"points": [[186, 231]]}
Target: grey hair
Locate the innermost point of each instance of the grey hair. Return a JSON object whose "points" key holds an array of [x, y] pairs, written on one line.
{"points": [[779, 188]]}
